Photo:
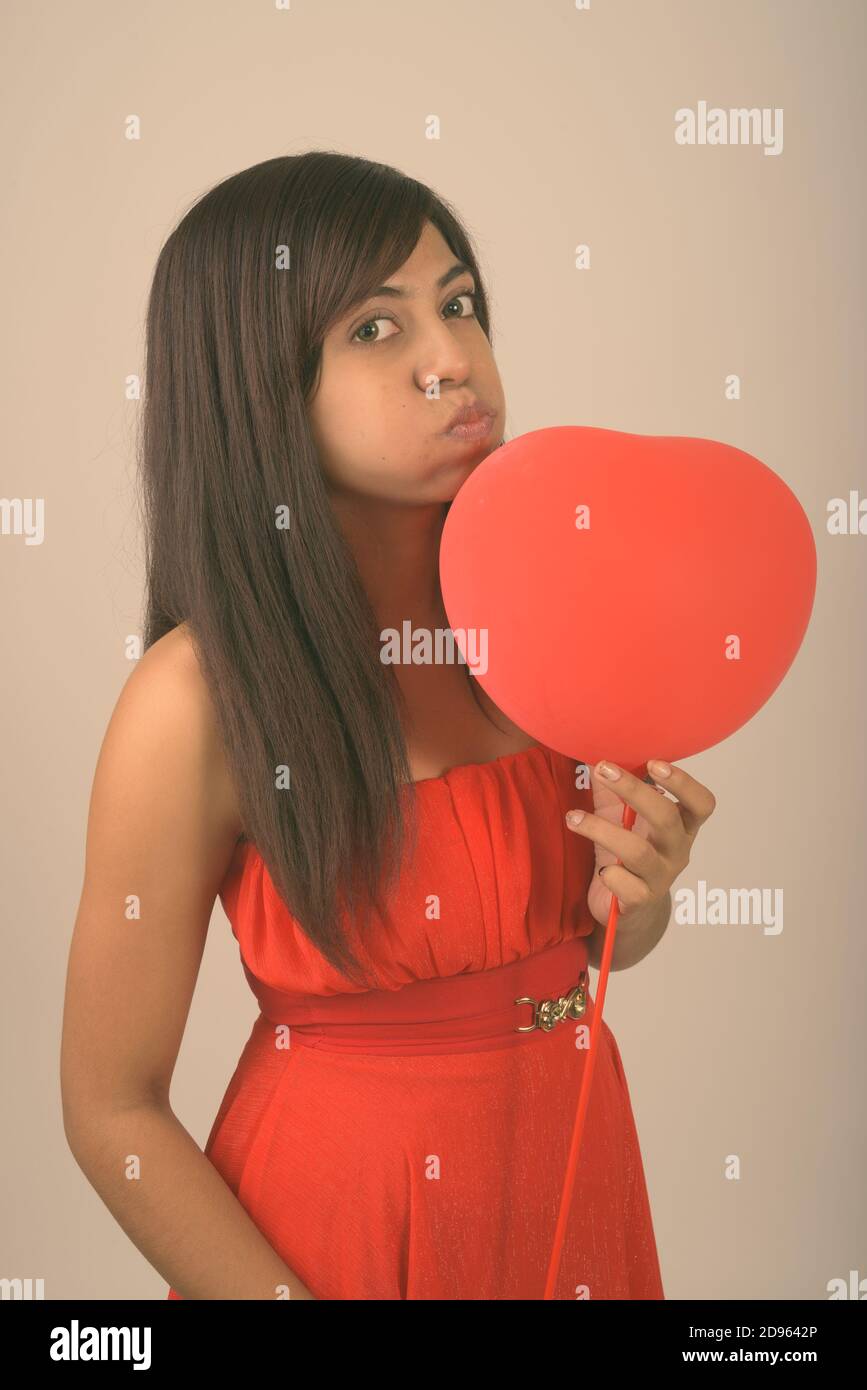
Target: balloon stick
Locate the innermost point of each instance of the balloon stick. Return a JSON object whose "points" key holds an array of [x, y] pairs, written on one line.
{"points": [[586, 1080]]}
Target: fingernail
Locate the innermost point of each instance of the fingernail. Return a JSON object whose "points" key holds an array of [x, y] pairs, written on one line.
{"points": [[608, 770], [574, 817], [657, 768]]}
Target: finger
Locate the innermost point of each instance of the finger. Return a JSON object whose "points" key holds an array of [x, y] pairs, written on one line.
{"points": [[662, 815], [696, 801], [637, 854], [631, 892]]}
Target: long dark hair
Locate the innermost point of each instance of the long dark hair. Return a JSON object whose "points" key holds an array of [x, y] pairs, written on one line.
{"points": [[244, 291]]}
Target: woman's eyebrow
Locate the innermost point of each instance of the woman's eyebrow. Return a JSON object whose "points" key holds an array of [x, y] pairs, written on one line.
{"points": [[401, 292]]}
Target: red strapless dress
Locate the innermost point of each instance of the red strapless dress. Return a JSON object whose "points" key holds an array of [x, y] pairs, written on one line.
{"points": [[382, 1167]]}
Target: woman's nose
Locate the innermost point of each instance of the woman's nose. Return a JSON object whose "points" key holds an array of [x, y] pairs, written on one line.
{"points": [[441, 358]]}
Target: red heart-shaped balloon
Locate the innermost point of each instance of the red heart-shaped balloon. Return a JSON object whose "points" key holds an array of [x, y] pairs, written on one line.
{"points": [[641, 596]]}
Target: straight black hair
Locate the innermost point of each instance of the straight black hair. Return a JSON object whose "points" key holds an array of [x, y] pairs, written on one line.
{"points": [[244, 291]]}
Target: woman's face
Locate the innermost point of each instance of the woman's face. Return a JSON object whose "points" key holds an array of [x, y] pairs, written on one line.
{"points": [[394, 372]]}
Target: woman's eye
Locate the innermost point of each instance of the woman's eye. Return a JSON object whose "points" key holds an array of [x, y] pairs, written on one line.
{"points": [[369, 324], [361, 334], [467, 294]]}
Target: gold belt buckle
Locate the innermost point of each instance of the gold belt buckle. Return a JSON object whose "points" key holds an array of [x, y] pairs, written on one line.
{"points": [[548, 1012]]}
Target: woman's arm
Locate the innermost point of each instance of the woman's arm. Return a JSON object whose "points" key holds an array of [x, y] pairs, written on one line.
{"points": [[161, 832]]}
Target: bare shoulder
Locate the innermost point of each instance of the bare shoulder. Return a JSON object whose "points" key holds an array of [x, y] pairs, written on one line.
{"points": [[162, 799], [165, 715]]}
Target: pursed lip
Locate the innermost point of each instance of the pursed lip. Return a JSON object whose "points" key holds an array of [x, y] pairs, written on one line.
{"points": [[473, 414]]}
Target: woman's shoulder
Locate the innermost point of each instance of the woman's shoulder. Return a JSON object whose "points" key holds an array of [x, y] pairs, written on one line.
{"points": [[173, 657], [167, 682], [165, 702]]}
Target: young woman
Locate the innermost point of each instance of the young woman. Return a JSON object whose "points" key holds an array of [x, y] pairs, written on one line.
{"points": [[392, 852]]}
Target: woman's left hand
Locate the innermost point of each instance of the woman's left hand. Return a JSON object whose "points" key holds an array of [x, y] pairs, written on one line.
{"points": [[658, 846]]}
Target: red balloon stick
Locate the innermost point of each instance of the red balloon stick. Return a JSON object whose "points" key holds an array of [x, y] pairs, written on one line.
{"points": [[586, 1081]]}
